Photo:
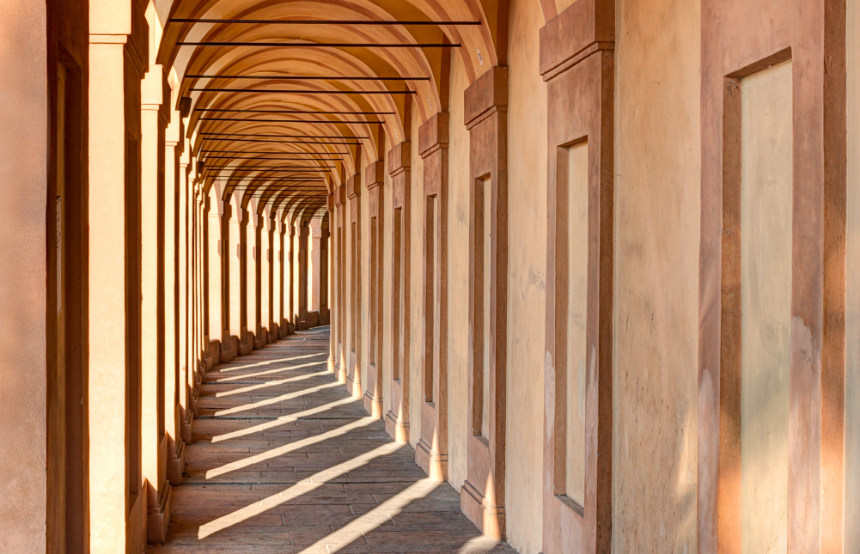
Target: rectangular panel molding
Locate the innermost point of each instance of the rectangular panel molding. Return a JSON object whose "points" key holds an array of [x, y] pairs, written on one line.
{"points": [[772, 277], [482, 496], [577, 61], [400, 171], [431, 452]]}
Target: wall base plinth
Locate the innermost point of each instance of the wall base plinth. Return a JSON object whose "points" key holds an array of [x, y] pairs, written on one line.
{"points": [[373, 405], [185, 426], [213, 356], [158, 516], [261, 339], [396, 428], [489, 519], [175, 461], [246, 344], [435, 465], [229, 348]]}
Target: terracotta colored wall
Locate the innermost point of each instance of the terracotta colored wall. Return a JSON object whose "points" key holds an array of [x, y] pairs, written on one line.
{"points": [[527, 257], [656, 275], [23, 182], [852, 319], [458, 286]]}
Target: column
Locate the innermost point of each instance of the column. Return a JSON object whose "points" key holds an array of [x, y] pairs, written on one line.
{"points": [[175, 444], [182, 272], [233, 259], [577, 485], [431, 452], [314, 265], [374, 178], [154, 116], [302, 275], [117, 57], [246, 344], [254, 278], [325, 312], [482, 497], [400, 171], [215, 253], [291, 275], [265, 272], [353, 282]]}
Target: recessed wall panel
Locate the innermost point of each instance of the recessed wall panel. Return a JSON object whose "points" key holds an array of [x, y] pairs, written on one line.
{"points": [[577, 305], [766, 274], [487, 237]]}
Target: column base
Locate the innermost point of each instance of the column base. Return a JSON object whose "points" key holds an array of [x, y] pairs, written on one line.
{"points": [[135, 540], [213, 355], [373, 405], [185, 425], [396, 428], [489, 519], [261, 339], [435, 465], [274, 333], [246, 343], [158, 516], [229, 348], [176, 461]]}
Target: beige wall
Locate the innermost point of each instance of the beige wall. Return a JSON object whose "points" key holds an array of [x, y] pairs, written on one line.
{"points": [[766, 225], [656, 275], [23, 181], [852, 319], [416, 287], [458, 285], [527, 262]]}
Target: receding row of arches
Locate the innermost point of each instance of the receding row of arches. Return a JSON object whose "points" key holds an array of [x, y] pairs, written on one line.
{"points": [[594, 260]]}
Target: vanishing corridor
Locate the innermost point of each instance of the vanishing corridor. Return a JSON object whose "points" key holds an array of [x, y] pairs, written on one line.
{"points": [[283, 460]]}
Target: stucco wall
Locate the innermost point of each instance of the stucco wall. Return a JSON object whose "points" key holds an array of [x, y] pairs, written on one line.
{"points": [[23, 181], [852, 316], [458, 285], [527, 261], [657, 188]]}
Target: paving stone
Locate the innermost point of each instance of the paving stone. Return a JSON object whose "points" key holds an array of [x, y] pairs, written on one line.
{"points": [[311, 481]]}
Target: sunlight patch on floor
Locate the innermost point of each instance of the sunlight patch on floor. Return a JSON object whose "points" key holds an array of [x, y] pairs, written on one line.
{"points": [[259, 386], [287, 448], [283, 420], [263, 373], [229, 369], [366, 523], [275, 400]]}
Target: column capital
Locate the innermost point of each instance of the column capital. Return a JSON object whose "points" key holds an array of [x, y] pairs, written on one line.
{"points": [[374, 175], [400, 158], [353, 186], [486, 96], [433, 135]]}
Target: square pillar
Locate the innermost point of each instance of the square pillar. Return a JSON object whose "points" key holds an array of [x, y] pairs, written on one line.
{"points": [[353, 373], [374, 179], [118, 60], [773, 119], [400, 171], [482, 496], [577, 62], [431, 452]]}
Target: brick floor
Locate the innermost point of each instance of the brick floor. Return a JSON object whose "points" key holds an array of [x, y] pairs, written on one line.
{"points": [[284, 461]]}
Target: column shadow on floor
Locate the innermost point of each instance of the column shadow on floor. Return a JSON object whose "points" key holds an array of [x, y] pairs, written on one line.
{"points": [[283, 460]]}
